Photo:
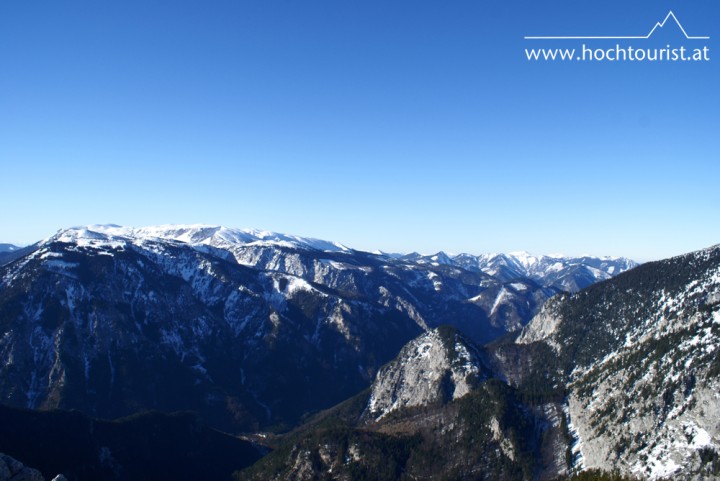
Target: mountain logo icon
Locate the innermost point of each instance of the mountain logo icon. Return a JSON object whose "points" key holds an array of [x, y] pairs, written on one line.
{"points": [[658, 26]]}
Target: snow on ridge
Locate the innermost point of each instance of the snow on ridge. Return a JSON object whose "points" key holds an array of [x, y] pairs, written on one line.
{"points": [[525, 258], [524, 263], [499, 299], [193, 234], [519, 286]]}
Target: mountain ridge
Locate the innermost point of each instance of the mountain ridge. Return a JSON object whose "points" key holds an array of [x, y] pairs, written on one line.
{"points": [[509, 266], [8, 247]]}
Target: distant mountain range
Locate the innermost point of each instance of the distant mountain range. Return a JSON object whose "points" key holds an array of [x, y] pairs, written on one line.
{"points": [[9, 252], [8, 248], [565, 273]]}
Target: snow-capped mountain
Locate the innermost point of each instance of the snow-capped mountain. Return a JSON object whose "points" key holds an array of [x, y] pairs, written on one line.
{"points": [[569, 274], [565, 273], [197, 235]]}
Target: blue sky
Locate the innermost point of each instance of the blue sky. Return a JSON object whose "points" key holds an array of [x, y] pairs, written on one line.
{"points": [[398, 125]]}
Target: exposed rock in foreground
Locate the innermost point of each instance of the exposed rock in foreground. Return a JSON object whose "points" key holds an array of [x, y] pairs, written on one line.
{"points": [[437, 367], [13, 470]]}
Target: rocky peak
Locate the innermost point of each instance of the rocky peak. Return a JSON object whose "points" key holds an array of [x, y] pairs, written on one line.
{"points": [[437, 367]]}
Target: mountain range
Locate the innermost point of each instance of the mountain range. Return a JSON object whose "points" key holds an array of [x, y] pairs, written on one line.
{"points": [[113, 320], [497, 366]]}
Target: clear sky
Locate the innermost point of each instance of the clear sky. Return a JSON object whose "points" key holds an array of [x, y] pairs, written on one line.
{"points": [[397, 125]]}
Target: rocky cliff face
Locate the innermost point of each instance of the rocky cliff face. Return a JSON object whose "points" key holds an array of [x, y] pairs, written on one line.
{"points": [[640, 354], [437, 367], [13, 470]]}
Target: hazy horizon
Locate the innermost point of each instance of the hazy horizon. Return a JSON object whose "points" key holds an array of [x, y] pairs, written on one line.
{"points": [[371, 249]]}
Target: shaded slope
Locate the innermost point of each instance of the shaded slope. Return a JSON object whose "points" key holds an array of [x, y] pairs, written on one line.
{"points": [[150, 446]]}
